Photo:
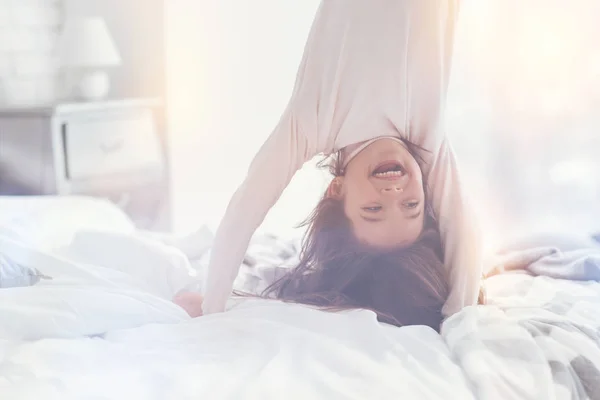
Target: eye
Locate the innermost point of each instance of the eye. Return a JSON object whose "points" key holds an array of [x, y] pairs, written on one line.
{"points": [[411, 204], [372, 209]]}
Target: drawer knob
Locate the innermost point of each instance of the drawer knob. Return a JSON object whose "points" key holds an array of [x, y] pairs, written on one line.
{"points": [[108, 148]]}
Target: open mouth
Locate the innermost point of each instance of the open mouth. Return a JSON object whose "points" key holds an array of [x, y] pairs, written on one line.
{"points": [[389, 169]]}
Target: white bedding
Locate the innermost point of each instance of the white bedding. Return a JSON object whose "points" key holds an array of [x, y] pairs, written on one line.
{"points": [[96, 332], [149, 348], [102, 329]]}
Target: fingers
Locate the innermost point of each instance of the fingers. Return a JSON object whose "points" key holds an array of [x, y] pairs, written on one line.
{"points": [[190, 302]]}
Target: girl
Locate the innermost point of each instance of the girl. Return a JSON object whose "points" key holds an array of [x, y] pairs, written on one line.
{"points": [[403, 285], [370, 91]]}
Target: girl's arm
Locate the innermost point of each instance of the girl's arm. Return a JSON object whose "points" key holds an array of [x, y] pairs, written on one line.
{"points": [[293, 142], [429, 61], [279, 158], [459, 229], [429, 72]]}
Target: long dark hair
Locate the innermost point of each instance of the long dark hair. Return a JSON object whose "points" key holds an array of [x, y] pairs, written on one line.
{"points": [[405, 286]]}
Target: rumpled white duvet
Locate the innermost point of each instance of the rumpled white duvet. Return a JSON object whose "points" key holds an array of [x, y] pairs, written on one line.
{"points": [[104, 328]]}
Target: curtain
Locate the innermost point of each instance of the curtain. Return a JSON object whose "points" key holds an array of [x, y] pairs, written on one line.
{"points": [[524, 113]]}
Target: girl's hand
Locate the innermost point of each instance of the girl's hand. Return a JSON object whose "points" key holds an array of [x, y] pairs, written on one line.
{"points": [[517, 260], [191, 302]]}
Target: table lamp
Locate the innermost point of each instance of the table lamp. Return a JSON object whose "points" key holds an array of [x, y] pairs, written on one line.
{"points": [[87, 47]]}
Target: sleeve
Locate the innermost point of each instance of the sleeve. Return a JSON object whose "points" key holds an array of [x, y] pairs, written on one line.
{"points": [[293, 142], [459, 230], [284, 152], [430, 59]]}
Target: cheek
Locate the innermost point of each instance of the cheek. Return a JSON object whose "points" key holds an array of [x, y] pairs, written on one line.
{"points": [[415, 168], [350, 200], [354, 197], [419, 185], [416, 179], [355, 191]]}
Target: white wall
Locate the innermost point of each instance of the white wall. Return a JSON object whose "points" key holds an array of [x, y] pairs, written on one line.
{"points": [[28, 35], [137, 27], [231, 69]]}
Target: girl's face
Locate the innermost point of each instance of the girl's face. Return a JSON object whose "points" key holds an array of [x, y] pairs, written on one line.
{"points": [[383, 195]]}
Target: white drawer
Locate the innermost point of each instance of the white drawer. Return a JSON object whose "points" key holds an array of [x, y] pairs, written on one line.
{"points": [[110, 144]]}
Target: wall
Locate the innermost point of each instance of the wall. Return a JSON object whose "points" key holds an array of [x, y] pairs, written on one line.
{"points": [[29, 31], [231, 68], [137, 28]]}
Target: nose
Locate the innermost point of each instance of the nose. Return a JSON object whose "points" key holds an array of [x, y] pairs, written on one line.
{"points": [[392, 189]]}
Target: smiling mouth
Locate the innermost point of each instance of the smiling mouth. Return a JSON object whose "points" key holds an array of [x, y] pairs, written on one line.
{"points": [[389, 170]]}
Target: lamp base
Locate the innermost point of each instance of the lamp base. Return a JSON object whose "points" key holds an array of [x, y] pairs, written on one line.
{"points": [[94, 85]]}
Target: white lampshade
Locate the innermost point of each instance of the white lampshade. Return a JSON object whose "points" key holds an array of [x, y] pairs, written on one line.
{"points": [[86, 42]]}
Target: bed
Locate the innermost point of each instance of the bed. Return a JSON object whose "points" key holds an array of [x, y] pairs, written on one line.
{"points": [[104, 328]]}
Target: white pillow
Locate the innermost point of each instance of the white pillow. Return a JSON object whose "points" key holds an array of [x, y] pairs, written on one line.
{"points": [[49, 222], [160, 269]]}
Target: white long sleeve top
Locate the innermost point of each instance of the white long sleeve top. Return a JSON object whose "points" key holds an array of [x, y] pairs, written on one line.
{"points": [[370, 68]]}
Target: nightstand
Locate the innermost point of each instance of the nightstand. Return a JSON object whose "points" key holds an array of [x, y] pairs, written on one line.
{"points": [[112, 149]]}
